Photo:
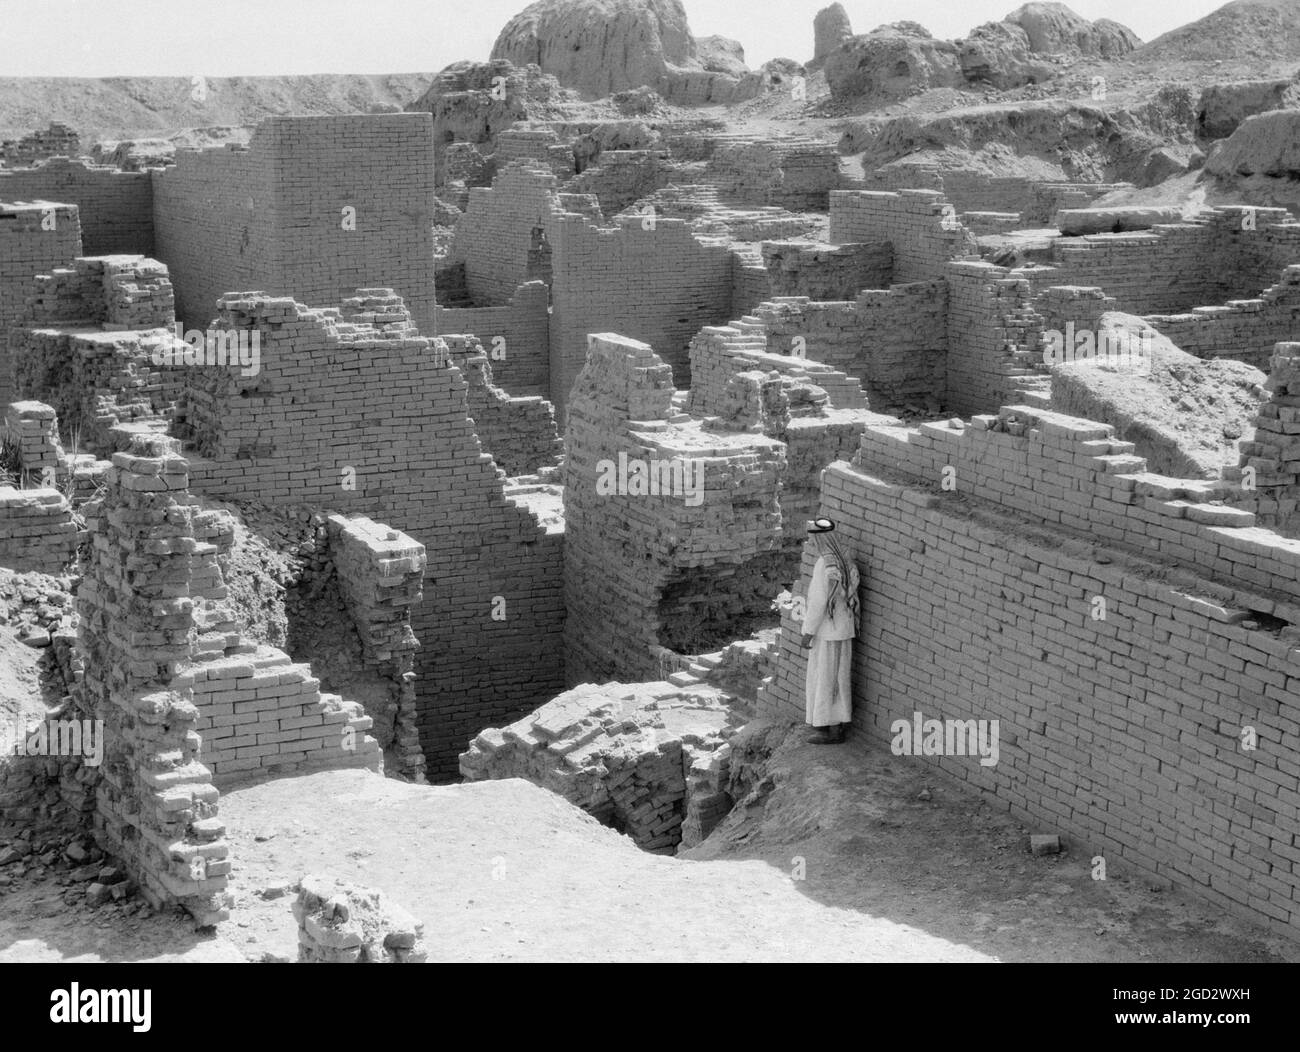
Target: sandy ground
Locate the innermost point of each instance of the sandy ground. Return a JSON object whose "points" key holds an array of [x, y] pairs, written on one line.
{"points": [[505, 871]]}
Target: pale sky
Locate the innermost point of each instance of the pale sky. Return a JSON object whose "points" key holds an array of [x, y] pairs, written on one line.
{"points": [[119, 38]]}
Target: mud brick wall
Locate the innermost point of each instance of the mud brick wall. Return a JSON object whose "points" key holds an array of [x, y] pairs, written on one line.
{"points": [[540, 144], [893, 340], [621, 178], [37, 531], [271, 216], [994, 336], [31, 429], [645, 571], [34, 239], [501, 236], [1123, 733], [56, 140], [518, 335], [795, 174], [519, 433], [261, 714], [658, 285], [827, 272], [720, 352], [116, 207], [644, 758], [150, 592], [1242, 329], [750, 283], [1221, 254], [1273, 453], [923, 235], [339, 391]]}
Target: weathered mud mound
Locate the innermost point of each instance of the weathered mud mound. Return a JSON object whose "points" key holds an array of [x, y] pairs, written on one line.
{"points": [[1055, 29], [1185, 415], [600, 46], [1085, 141], [1244, 29], [1265, 144], [891, 63]]}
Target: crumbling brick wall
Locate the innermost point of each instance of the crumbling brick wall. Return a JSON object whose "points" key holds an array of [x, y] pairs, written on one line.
{"points": [[894, 340], [519, 433], [34, 238], [313, 207], [1220, 254], [652, 280], [1123, 730], [1242, 329], [676, 567], [91, 338], [58, 140], [501, 236], [794, 173], [517, 337], [827, 272], [994, 336], [356, 412], [37, 530], [116, 207], [149, 592], [920, 224]]}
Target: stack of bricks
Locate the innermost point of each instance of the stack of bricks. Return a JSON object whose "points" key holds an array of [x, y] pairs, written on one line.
{"points": [[116, 207], [520, 433], [921, 225], [1244, 329], [1272, 457], [31, 431], [827, 272], [58, 140], [672, 567], [354, 416], [381, 572], [147, 581], [639, 757], [34, 238], [1121, 722], [259, 713], [341, 923], [994, 336], [37, 530]]}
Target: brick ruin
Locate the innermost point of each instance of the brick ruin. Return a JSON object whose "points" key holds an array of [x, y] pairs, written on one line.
{"points": [[548, 485]]}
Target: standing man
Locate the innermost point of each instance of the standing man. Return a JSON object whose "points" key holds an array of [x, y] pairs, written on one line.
{"points": [[829, 625]]}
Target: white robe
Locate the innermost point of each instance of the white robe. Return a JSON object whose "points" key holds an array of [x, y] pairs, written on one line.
{"points": [[828, 694]]}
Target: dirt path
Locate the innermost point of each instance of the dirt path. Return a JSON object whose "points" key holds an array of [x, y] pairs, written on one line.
{"points": [[505, 871]]}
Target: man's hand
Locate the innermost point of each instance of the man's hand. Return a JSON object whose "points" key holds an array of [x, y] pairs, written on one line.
{"points": [[806, 642]]}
